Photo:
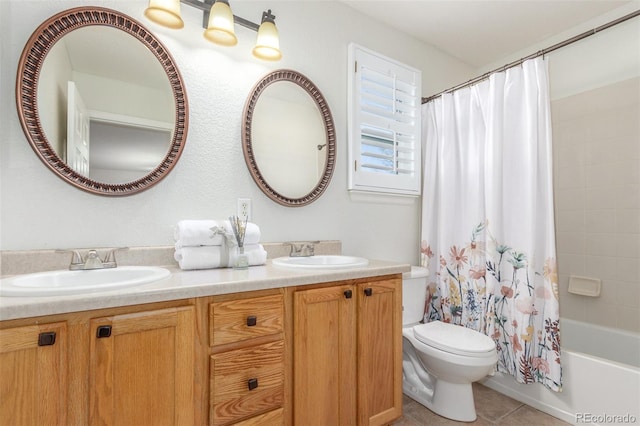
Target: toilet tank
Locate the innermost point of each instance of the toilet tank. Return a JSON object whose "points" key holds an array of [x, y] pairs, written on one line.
{"points": [[414, 294]]}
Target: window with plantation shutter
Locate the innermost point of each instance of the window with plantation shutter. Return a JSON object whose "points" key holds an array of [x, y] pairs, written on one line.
{"points": [[384, 124]]}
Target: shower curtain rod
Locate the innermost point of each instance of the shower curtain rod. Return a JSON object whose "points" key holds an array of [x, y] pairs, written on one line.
{"points": [[535, 55]]}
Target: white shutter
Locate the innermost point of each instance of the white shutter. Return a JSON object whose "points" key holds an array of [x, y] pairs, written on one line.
{"points": [[384, 124]]}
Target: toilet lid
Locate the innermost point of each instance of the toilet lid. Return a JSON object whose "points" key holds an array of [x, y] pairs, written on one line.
{"points": [[453, 338]]}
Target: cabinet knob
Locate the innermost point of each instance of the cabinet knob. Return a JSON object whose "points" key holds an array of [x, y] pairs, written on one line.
{"points": [[348, 294], [252, 383], [368, 291], [252, 320], [47, 339], [103, 331]]}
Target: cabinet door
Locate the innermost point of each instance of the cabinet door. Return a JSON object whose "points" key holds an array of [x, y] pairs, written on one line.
{"points": [[324, 356], [142, 368], [379, 352], [33, 375]]}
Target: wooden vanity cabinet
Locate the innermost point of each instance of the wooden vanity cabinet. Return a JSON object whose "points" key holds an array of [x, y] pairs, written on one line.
{"points": [[325, 354], [247, 362], [116, 366], [141, 368], [347, 352], [33, 375]]}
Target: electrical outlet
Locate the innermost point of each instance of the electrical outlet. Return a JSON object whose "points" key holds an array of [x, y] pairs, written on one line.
{"points": [[244, 208]]}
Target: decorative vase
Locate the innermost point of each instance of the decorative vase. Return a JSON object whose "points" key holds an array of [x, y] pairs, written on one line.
{"points": [[242, 261]]}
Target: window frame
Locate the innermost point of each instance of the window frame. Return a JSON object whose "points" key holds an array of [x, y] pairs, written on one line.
{"points": [[384, 73]]}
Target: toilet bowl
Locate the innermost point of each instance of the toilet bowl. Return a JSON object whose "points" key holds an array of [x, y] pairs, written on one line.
{"points": [[440, 361]]}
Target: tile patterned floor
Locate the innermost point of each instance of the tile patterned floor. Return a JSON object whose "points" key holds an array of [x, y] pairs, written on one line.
{"points": [[492, 408]]}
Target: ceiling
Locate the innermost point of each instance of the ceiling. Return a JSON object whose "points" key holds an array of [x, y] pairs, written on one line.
{"points": [[480, 32]]}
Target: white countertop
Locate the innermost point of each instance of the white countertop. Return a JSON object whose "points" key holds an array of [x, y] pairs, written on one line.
{"points": [[189, 284]]}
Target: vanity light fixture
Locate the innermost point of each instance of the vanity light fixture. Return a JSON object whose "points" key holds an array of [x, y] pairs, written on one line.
{"points": [[218, 21]]}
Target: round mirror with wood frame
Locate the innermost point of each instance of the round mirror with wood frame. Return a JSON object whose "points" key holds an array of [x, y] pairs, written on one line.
{"points": [[288, 138], [30, 68]]}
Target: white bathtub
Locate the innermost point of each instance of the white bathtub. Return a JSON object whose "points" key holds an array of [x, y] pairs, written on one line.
{"points": [[603, 342], [595, 390]]}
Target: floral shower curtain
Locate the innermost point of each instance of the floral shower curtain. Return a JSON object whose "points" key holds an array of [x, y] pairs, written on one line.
{"points": [[487, 218]]}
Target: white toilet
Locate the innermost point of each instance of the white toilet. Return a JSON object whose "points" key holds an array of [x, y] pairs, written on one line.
{"points": [[440, 360]]}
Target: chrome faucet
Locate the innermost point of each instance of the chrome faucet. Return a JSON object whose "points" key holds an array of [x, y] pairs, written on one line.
{"points": [[92, 259], [302, 249]]}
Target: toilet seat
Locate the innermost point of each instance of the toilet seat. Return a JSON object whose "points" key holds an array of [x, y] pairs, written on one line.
{"points": [[454, 339]]}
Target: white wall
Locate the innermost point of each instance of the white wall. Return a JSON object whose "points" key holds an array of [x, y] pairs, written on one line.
{"points": [[607, 57], [40, 211], [102, 94], [52, 97]]}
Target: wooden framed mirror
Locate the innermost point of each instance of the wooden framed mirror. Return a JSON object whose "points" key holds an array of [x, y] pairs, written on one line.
{"points": [[132, 128], [288, 138]]}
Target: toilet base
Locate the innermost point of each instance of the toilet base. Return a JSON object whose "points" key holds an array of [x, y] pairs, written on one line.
{"points": [[451, 400]]}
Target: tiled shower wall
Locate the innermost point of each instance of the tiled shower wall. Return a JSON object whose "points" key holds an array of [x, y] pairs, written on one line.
{"points": [[596, 137]]}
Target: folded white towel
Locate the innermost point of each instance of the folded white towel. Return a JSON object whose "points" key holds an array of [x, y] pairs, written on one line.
{"points": [[209, 257], [251, 235], [202, 257], [193, 233]]}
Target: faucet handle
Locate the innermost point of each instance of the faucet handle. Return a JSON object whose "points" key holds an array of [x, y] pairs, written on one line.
{"points": [[292, 244], [76, 257], [110, 258]]}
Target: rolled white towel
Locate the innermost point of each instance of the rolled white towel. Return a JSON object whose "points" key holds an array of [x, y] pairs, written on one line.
{"points": [[193, 233], [202, 257], [256, 255], [210, 257]]}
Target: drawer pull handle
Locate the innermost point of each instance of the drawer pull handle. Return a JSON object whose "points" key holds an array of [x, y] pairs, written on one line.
{"points": [[253, 383], [252, 320], [368, 291], [348, 294], [103, 331], [47, 338]]}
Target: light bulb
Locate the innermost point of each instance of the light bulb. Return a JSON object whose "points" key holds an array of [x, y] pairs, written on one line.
{"points": [[165, 13], [220, 29], [268, 41]]}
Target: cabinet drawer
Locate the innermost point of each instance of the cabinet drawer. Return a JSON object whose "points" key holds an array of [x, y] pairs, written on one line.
{"points": [[272, 418], [245, 382], [237, 320]]}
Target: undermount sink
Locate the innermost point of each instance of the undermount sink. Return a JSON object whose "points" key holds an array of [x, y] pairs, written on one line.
{"points": [[321, 262], [56, 283]]}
